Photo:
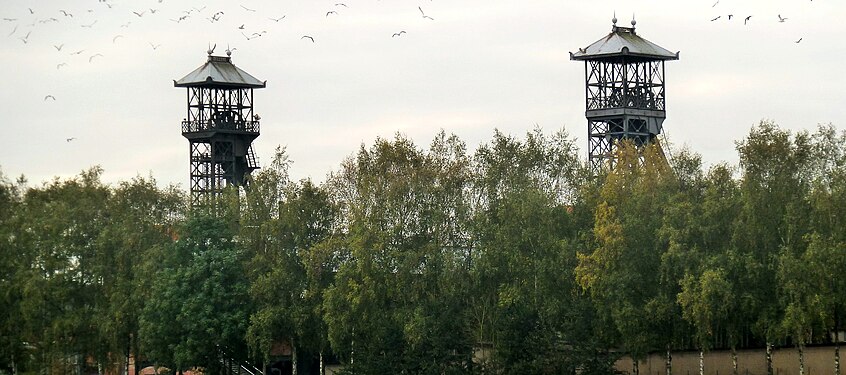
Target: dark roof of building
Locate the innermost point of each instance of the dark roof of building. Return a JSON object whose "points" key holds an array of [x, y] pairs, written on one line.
{"points": [[219, 71], [623, 41]]}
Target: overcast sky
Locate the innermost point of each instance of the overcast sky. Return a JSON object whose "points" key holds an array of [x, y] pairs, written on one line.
{"points": [[477, 66]]}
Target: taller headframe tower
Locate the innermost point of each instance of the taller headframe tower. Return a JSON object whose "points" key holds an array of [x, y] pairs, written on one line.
{"points": [[220, 126], [624, 87]]}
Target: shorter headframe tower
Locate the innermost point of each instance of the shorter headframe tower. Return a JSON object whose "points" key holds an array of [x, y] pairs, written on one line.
{"points": [[624, 87], [220, 126]]}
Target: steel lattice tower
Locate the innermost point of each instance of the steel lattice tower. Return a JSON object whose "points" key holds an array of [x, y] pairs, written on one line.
{"points": [[220, 126], [624, 89]]}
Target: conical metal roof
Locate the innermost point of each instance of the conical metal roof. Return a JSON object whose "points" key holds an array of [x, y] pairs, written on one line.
{"points": [[623, 41], [219, 71]]}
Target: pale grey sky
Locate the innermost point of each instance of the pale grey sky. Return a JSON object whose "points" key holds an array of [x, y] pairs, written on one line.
{"points": [[479, 65]]}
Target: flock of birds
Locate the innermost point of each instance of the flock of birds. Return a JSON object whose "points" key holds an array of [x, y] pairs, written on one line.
{"points": [[33, 19], [748, 18]]}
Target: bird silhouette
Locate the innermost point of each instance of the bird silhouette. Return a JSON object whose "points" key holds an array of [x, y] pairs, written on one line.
{"points": [[77, 52], [65, 13], [241, 27], [90, 59], [13, 31], [116, 38], [716, 18], [800, 39], [398, 34], [781, 19], [31, 11], [424, 14], [49, 97], [25, 38], [141, 14], [89, 25], [277, 19], [155, 46], [60, 65], [248, 9], [746, 19], [331, 12], [715, 4], [59, 47], [70, 139], [307, 37], [341, 5], [730, 16]]}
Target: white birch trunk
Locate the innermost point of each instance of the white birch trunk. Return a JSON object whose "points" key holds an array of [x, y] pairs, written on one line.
{"points": [[701, 362], [322, 364], [769, 359], [801, 359], [733, 361], [837, 357], [293, 357], [635, 367], [669, 362]]}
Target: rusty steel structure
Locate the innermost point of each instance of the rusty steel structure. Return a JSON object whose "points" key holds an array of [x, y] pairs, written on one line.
{"points": [[220, 126], [624, 91]]}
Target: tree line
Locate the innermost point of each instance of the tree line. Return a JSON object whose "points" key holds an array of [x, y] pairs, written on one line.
{"points": [[510, 259]]}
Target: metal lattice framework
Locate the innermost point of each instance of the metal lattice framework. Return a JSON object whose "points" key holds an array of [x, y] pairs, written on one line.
{"points": [[625, 96], [220, 128], [624, 100]]}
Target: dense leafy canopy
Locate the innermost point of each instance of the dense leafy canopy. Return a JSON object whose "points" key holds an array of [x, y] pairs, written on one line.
{"points": [[512, 259]]}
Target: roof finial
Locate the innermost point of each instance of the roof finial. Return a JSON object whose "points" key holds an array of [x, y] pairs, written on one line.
{"points": [[228, 51], [634, 22], [211, 49], [614, 20]]}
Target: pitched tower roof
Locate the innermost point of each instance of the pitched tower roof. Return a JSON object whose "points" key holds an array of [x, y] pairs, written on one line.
{"points": [[623, 41], [219, 71]]}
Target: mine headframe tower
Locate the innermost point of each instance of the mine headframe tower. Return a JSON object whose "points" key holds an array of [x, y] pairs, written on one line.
{"points": [[624, 89], [220, 126]]}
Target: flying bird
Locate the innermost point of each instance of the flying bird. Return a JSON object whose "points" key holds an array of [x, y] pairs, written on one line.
{"points": [[9, 19], [424, 14], [781, 19], [276, 19], [65, 13], [25, 38], [714, 19], [730, 16], [200, 9], [89, 25], [60, 65], [248, 9], [341, 5], [90, 59], [155, 46], [59, 47], [153, 11], [241, 27], [139, 14], [800, 39], [307, 37], [715, 4], [13, 31], [331, 12], [31, 11], [126, 24], [49, 97], [116, 38], [746, 19], [398, 34], [70, 139], [78, 52]]}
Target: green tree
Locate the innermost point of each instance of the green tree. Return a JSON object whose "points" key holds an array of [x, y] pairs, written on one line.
{"points": [[199, 305]]}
